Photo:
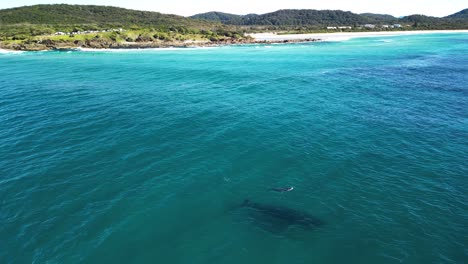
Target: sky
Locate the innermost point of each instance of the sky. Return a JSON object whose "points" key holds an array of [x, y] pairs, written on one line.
{"points": [[190, 7]]}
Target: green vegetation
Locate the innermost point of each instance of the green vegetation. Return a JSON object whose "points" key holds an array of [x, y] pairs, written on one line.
{"points": [[296, 18], [40, 20], [97, 16], [379, 18], [459, 15], [221, 17]]}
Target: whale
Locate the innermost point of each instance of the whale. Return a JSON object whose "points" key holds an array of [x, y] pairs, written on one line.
{"points": [[279, 217], [283, 189]]}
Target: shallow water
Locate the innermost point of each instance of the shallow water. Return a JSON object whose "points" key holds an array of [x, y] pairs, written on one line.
{"points": [[147, 156]]}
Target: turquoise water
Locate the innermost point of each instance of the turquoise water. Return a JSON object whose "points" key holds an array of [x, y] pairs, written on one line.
{"points": [[148, 156]]}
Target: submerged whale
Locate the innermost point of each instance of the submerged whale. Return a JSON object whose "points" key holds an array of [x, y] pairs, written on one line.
{"points": [[281, 218], [283, 189]]}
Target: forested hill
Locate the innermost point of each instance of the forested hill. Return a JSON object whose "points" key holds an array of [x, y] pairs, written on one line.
{"points": [[460, 15], [306, 17], [290, 17], [224, 18], [88, 14], [62, 14], [57, 17], [380, 18]]}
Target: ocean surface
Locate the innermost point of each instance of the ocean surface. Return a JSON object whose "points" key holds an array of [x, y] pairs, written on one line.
{"points": [[168, 156]]}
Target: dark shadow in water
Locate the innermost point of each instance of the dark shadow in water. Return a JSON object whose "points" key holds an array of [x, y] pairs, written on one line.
{"points": [[278, 219]]}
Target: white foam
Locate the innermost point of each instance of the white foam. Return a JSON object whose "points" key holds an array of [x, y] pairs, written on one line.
{"points": [[4, 51], [100, 50], [145, 49], [202, 48]]}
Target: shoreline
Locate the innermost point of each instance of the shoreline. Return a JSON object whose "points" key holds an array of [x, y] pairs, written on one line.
{"points": [[49, 45], [254, 38], [338, 36]]}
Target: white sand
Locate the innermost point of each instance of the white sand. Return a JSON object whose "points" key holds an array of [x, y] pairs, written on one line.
{"points": [[4, 51], [345, 35]]}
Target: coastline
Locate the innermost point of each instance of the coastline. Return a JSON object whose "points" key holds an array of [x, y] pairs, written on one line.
{"points": [[252, 38], [272, 37], [110, 45]]}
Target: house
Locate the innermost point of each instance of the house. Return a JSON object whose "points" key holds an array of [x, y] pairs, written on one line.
{"points": [[60, 33], [385, 26], [345, 27], [369, 26], [397, 25], [331, 27]]}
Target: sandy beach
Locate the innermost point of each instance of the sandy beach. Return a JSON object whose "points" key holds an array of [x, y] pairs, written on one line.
{"points": [[344, 35]]}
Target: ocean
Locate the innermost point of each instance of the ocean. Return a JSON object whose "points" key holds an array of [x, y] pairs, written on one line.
{"points": [[169, 156]]}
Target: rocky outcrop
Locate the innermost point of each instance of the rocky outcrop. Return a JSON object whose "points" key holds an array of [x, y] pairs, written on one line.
{"points": [[109, 44]]}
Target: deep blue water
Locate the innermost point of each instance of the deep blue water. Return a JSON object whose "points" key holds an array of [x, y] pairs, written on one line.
{"points": [[148, 156]]}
